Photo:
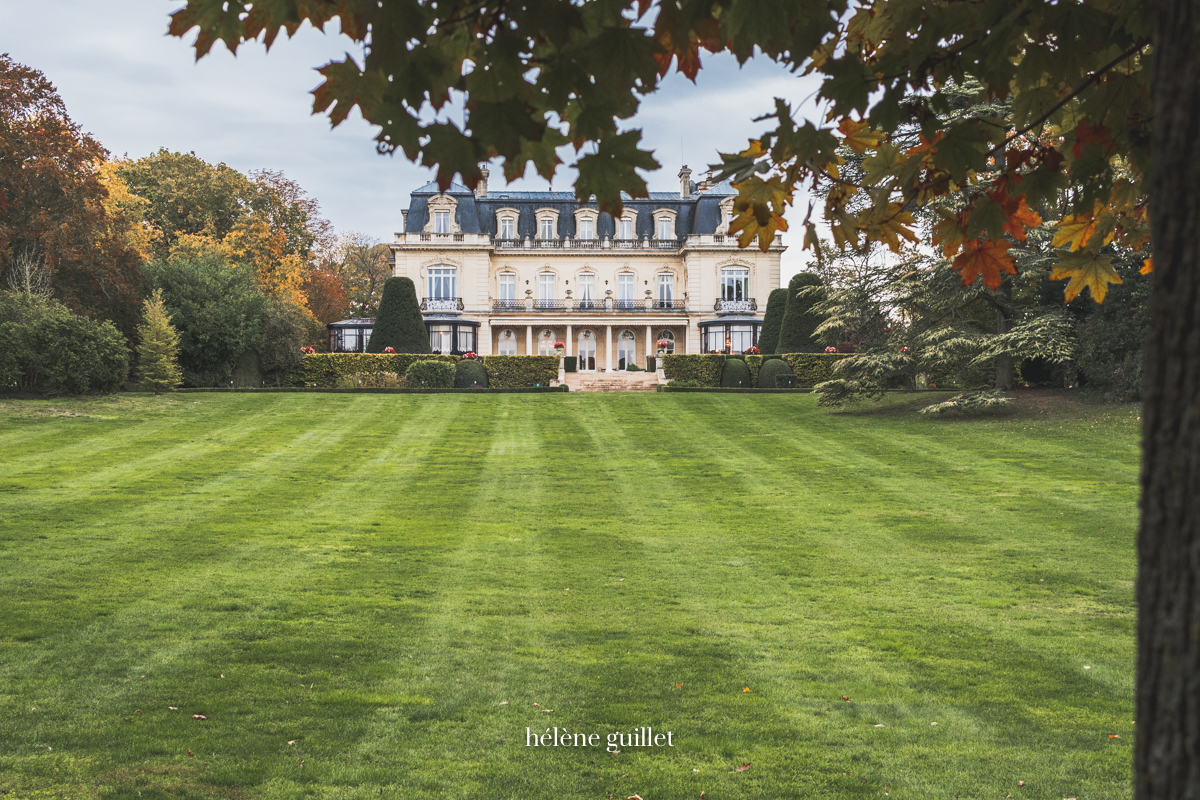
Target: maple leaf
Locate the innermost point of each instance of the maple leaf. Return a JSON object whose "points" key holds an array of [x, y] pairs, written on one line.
{"points": [[987, 259], [951, 233], [758, 210], [858, 136], [1086, 271], [1147, 266], [1076, 230], [1086, 134], [742, 768], [1021, 220], [895, 225]]}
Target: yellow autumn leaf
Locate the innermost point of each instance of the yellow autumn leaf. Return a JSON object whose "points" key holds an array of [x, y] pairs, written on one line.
{"points": [[758, 210], [1076, 230], [1147, 266], [1086, 271], [890, 227], [858, 136], [950, 233]]}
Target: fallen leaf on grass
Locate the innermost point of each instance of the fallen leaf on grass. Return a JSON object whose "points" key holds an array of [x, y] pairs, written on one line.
{"points": [[537, 705], [634, 797], [189, 752], [847, 699], [934, 724], [742, 768], [879, 725], [172, 708], [1114, 736], [503, 702], [292, 742], [547, 710], [199, 716], [746, 689], [1020, 783]]}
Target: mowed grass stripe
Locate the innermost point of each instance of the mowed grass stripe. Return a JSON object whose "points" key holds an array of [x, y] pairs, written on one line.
{"points": [[437, 541]]}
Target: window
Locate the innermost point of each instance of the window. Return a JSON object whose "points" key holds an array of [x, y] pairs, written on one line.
{"points": [[587, 351], [441, 283], [625, 228], [508, 344], [735, 283], [587, 291], [464, 336], [626, 345], [441, 339], [508, 290], [546, 343], [441, 222], [625, 291], [508, 228], [666, 291], [546, 228], [664, 228], [586, 229], [669, 338], [546, 290], [729, 338]]}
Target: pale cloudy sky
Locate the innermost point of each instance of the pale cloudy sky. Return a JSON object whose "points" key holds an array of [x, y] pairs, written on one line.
{"points": [[136, 89]]}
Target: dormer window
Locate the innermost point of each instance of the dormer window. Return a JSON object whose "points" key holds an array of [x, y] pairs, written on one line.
{"points": [[441, 222], [664, 226], [586, 222], [625, 227], [506, 223], [547, 224], [726, 216], [547, 228], [442, 212], [586, 229]]}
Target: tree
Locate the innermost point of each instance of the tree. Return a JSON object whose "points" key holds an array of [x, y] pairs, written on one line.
{"points": [[768, 338], [158, 347], [286, 327], [399, 324], [1102, 132], [800, 319], [362, 264], [54, 202], [325, 295]]}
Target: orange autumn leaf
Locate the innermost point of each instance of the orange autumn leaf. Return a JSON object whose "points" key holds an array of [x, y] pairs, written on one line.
{"points": [[1021, 220], [951, 233], [858, 136], [926, 145], [1147, 266], [1086, 271], [1077, 230], [987, 259]]}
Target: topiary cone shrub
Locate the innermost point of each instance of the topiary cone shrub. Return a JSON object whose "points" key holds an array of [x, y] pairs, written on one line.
{"points": [[799, 320], [736, 375], [399, 324], [768, 337], [770, 370], [469, 373]]}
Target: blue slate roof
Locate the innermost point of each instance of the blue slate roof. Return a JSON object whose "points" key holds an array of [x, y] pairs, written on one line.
{"points": [[700, 213]]}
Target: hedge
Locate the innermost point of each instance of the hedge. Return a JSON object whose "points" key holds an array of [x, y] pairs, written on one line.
{"points": [[429, 374], [755, 364], [704, 369], [736, 375], [812, 368], [771, 370], [326, 369], [510, 372], [46, 348], [470, 373]]}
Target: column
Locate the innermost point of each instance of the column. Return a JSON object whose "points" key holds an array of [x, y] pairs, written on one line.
{"points": [[650, 342], [528, 340], [608, 348], [568, 342], [483, 345]]}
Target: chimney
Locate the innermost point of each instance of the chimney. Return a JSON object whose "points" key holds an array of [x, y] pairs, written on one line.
{"points": [[685, 182], [481, 187]]}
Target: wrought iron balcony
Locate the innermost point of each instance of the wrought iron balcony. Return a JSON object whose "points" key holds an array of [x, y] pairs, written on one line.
{"points": [[608, 304], [441, 304], [735, 306]]}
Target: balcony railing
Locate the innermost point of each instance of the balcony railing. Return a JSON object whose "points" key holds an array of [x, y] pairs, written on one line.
{"points": [[441, 304], [608, 304], [735, 306]]}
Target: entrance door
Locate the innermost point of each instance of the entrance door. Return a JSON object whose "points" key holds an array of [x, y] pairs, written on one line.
{"points": [[587, 352]]}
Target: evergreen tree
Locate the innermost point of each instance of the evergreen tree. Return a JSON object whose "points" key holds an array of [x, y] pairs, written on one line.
{"points": [[800, 320], [399, 324], [158, 347], [768, 338]]}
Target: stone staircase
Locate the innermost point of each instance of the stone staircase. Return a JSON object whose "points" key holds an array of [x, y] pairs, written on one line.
{"points": [[612, 381]]}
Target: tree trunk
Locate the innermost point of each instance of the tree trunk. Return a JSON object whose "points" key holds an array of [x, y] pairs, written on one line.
{"points": [[1004, 363], [1167, 749]]}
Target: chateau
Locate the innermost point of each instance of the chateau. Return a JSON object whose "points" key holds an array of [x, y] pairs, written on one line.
{"points": [[511, 273]]}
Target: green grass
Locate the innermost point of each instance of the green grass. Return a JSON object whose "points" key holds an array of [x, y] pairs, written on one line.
{"points": [[377, 594]]}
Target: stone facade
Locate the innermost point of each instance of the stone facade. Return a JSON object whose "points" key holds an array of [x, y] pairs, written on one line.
{"points": [[515, 272]]}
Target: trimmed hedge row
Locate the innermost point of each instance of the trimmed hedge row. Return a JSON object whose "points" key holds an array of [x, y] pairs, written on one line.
{"points": [[812, 368], [326, 369], [771, 371], [755, 364], [429, 374], [704, 369], [511, 372]]}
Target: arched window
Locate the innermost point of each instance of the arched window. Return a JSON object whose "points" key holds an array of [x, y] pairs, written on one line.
{"points": [[669, 338], [507, 344], [546, 343], [626, 349]]}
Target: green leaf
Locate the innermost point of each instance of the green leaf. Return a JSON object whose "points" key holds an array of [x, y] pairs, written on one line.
{"points": [[987, 216], [613, 169]]}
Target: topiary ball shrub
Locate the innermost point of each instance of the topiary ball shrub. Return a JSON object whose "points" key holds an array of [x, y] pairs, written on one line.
{"points": [[770, 370], [469, 373], [736, 375], [429, 375]]}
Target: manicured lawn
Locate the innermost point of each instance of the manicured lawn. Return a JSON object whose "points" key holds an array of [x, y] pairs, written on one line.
{"points": [[377, 594]]}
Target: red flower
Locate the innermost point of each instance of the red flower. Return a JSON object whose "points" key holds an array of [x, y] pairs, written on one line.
{"points": [[308, 351], [831, 349], [389, 349]]}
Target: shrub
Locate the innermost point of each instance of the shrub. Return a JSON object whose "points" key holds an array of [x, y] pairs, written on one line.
{"points": [[399, 323], [46, 348], [684, 384], [799, 320], [369, 380], [704, 369], [519, 372], [736, 375], [429, 374], [326, 369], [469, 373], [770, 371], [768, 336], [813, 368], [634, 368], [570, 363]]}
